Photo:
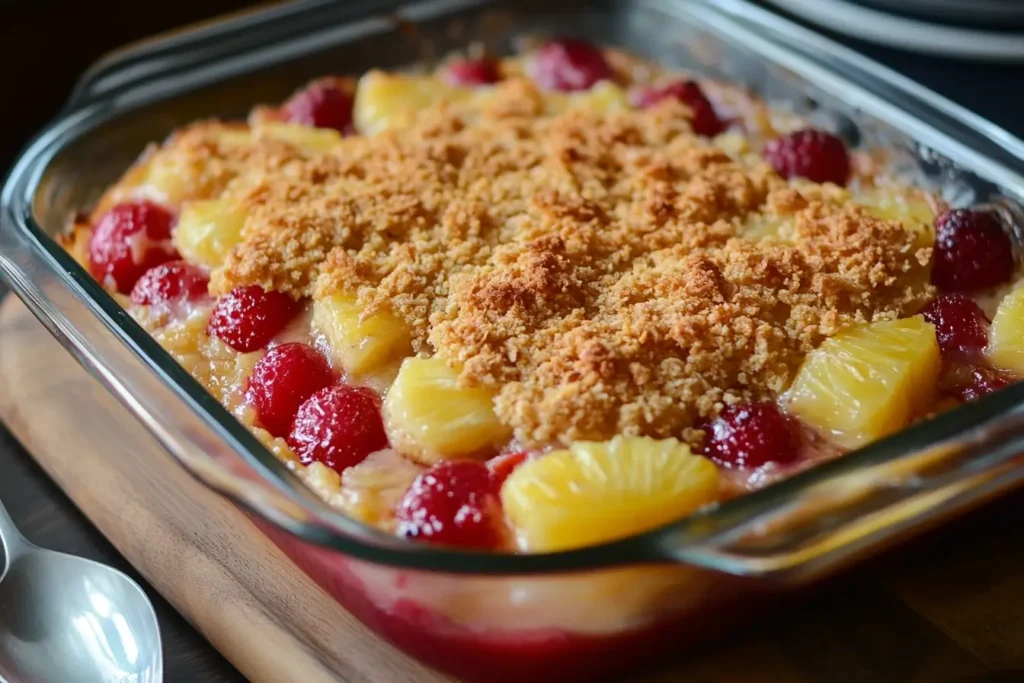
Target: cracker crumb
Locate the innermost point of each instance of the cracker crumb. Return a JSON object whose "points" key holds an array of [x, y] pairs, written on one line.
{"points": [[605, 273]]}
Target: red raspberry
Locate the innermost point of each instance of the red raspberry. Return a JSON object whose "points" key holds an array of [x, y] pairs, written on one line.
{"points": [[453, 503], [171, 282], [127, 241], [502, 466], [972, 252], [745, 437], [704, 121], [466, 73], [282, 380], [338, 426], [960, 324], [322, 104], [809, 153], [967, 382], [248, 317], [568, 64]]}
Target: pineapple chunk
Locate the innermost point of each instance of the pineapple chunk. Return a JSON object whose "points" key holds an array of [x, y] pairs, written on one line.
{"points": [[372, 490], [429, 417], [600, 491], [913, 211], [385, 101], [1006, 336], [174, 174], [207, 230], [867, 382], [360, 344], [390, 101], [604, 97], [306, 139], [758, 226], [171, 178], [734, 144], [235, 137], [219, 368]]}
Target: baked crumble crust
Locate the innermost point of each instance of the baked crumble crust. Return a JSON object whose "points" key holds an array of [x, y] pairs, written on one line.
{"points": [[601, 271]]}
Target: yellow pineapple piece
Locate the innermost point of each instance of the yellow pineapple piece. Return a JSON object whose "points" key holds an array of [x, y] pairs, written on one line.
{"points": [[359, 343], [600, 491], [321, 479], [757, 226], [174, 173], [240, 136], [910, 208], [1006, 336], [604, 97], [219, 368], [306, 139], [170, 178], [735, 144], [390, 101], [429, 417], [372, 489], [867, 382], [207, 230], [385, 100]]}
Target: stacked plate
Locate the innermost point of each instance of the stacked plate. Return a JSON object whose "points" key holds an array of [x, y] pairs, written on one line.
{"points": [[998, 13], [990, 30]]}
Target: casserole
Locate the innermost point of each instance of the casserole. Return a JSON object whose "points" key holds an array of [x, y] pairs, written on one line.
{"points": [[578, 614]]}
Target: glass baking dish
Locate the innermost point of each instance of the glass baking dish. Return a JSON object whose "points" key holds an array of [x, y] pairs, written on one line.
{"points": [[578, 615]]}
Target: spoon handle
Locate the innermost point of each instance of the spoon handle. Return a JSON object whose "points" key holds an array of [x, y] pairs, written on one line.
{"points": [[11, 539]]}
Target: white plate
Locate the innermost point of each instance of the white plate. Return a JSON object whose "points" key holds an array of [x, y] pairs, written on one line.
{"points": [[988, 13], [908, 34]]}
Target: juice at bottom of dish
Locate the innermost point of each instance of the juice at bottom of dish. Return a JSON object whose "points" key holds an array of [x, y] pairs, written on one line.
{"points": [[587, 626]]}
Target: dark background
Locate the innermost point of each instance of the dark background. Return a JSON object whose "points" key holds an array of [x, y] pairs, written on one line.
{"points": [[46, 44]]}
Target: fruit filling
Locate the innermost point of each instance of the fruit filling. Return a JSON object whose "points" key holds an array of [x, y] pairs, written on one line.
{"points": [[127, 241], [468, 73], [169, 283], [703, 118], [540, 302], [339, 426], [323, 104], [749, 436], [282, 380], [972, 252], [568, 64], [248, 317], [455, 502], [809, 153]]}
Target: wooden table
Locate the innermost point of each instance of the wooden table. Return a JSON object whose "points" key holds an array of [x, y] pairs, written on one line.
{"points": [[969, 580], [46, 516]]}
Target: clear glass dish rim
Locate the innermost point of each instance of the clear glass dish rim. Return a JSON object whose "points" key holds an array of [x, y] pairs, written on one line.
{"points": [[670, 542]]}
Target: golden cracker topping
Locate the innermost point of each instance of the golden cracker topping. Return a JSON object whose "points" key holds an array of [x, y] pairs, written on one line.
{"points": [[609, 273]]}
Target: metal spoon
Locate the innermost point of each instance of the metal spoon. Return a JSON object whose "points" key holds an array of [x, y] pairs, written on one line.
{"points": [[64, 619]]}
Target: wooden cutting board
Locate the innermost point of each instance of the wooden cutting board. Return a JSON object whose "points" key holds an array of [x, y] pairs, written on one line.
{"points": [[263, 614], [949, 609]]}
